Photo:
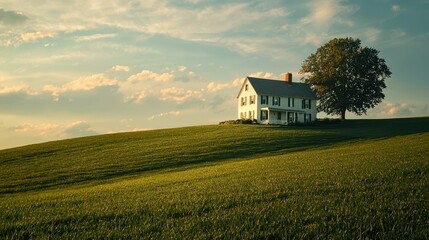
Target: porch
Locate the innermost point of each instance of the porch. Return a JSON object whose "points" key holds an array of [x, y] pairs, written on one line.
{"points": [[279, 116]]}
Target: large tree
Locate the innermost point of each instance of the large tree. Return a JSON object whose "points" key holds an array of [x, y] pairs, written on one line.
{"points": [[346, 76]]}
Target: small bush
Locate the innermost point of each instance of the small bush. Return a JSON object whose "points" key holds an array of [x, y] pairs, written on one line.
{"points": [[239, 121]]}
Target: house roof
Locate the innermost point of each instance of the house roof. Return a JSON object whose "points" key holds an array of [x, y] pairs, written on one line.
{"points": [[281, 88]]}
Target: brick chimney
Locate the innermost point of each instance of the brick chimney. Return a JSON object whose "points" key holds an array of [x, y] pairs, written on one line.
{"points": [[288, 78]]}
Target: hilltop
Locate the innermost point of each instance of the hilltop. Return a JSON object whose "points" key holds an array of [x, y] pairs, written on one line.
{"points": [[355, 179]]}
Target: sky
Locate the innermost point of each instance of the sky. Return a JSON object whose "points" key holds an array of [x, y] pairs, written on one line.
{"points": [[78, 68]]}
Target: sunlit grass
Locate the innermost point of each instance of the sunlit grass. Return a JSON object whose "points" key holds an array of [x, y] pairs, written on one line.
{"points": [[370, 186]]}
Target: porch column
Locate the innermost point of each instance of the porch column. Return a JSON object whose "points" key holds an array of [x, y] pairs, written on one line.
{"points": [[268, 118]]}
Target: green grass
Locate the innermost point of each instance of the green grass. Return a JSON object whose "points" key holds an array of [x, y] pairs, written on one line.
{"points": [[357, 179]]}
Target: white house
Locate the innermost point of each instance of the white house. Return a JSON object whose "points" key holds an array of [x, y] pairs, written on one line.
{"points": [[276, 101]]}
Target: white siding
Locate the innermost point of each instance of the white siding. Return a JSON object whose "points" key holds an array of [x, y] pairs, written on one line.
{"points": [[248, 107]]}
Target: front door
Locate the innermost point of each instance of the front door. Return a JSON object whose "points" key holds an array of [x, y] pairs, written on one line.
{"points": [[290, 117]]}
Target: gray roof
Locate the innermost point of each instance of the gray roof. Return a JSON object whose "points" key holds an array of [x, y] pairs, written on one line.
{"points": [[281, 88]]}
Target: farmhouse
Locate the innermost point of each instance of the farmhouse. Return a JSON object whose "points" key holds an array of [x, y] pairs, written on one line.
{"points": [[276, 101]]}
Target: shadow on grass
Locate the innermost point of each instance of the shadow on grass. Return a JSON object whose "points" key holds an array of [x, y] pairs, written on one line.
{"points": [[197, 151]]}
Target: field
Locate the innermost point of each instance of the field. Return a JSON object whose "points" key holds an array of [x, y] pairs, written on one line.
{"points": [[357, 179]]}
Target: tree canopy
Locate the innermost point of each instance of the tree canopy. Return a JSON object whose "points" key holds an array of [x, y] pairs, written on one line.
{"points": [[346, 76]]}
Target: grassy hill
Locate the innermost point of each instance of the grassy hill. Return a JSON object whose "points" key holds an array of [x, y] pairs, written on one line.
{"points": [[362, 178]]}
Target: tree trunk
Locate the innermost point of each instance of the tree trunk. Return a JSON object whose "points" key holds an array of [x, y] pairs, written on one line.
{"points": [[343, 114]]}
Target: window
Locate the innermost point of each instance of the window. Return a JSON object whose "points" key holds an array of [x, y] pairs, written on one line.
{"points": [[243, 101], [246, 87], [306, 103], [252, 99], [276, 101], [250, 115], [291, 102], [264, 115], [264, 99], [307, 118], [279, 116]]}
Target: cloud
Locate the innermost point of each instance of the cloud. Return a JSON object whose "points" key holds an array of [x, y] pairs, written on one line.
{"points": [[192, 74], [137, 97], [179, 95], [214, 87], [4, 77], [392, 110], [165, 114], [20, 88], [182, 68], [118, 68], [32, 36], [324, 12], [238, 82], [267, 75], [395, 8], [78, 128], [396, 109], [196, 23], [323, 16], [43, 130], [81, 84], [12, 17], [371, 34], [147, 75], [49, 130], [94, 37]]}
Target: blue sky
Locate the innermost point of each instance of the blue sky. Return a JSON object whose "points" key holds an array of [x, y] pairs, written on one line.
{"points": [[76, 68]]}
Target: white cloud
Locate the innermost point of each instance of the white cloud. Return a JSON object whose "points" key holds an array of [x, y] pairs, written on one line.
{"points": [[23, 88], [392, 110], [81, 84], [199, 23], [165, 114], [267, 75], [49, 130], [192, 74], [4, 77], [179, 95], [214, 87], [324, 12], [137, 97], [396, 109], [78, 128], [238, 82], [181, 68], [43, 130], [118, 68], [32, 36], [395, 8], [94, 37], [147, 75], [371, 34], [315, 38], [325, 15]]}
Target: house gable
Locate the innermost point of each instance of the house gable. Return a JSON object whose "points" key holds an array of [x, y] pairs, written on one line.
{"points": [[246, 81]]}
